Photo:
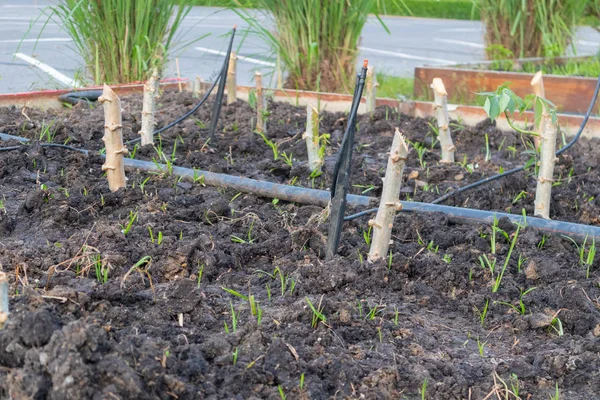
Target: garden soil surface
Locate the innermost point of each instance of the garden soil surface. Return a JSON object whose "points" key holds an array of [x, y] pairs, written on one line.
{"points": [[105, 309]]}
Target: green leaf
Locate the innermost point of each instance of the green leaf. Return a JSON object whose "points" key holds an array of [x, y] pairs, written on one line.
{"points": [[504, 102]]}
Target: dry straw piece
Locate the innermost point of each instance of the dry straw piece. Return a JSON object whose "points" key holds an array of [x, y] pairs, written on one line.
{"points": [[113, 139], [443, 120], [312, 138], [231, 79], [390, 199], [148, 108]]}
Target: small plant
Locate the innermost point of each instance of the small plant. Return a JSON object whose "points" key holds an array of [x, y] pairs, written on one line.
{"points": [[520, 308], [556, 325], [281, 392], [556, 395], [514, 384], [367, 235], [274, 146], [498, 279], [234, 319], [396, 314], [132, 218], [317, 313], [100, 269], [249, 239], [200, 273], [423, 389], [373, 311], [481, 347], [483, 313], [47, 132], [505, 101], [287, 158], [586, 255], [421, 150], [234, 355]]}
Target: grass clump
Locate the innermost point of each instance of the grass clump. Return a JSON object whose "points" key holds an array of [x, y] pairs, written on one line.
{"points": [[532, 28], [120, 40], [315, 40]]}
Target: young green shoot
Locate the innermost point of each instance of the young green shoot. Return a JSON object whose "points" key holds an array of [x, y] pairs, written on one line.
{"points": [[483, 313], [317, 312], [132, 218], [498, 279], [200, 273], [520, 308]]}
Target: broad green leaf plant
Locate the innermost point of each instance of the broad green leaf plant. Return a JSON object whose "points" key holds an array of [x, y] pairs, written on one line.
{"points": [[505, 101]]}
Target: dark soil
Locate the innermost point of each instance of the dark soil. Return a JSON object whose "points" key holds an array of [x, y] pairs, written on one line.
{"points": [[393, 329]]}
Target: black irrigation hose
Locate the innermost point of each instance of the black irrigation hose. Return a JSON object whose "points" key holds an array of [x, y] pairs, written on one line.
{"points": [[505, 173], [322, 197], [219, 100], [4, 136]]}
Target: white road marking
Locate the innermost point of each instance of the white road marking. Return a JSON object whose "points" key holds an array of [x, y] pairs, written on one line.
{"points": [[243, 58], [461, 30], [461, 43], [36, 40], [407, 56], [588, 43], [49, 70]]}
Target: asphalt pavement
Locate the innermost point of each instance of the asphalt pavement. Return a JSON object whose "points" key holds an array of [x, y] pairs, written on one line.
{"points": [[410, 43]]}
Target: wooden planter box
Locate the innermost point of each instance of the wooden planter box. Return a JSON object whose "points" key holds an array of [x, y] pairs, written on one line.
{"points": [[571, 94]]}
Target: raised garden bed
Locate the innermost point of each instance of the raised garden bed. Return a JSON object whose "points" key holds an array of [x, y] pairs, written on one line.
{"points": [[392, 329], [570, 94]]}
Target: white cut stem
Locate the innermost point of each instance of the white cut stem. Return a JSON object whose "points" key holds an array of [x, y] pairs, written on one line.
{"points": [[312, 138], [441, 106], [113, 139], [260, 103], [390, 199], [198, 86], [148, 108], [3, 299], [231, 79], [537, 83], [371, 86], [543, 191]]}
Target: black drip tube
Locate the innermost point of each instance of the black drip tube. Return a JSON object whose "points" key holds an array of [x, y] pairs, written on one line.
{"points": [[322, 198]]}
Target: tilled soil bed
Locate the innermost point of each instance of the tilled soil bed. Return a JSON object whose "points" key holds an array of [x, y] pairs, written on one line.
{"points": [[104, 310]]}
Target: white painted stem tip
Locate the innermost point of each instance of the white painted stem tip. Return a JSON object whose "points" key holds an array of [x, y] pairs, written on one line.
{"points": [[443, 120]]}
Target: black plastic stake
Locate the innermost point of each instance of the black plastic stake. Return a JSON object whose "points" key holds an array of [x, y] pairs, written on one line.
{"points": [[219, 100], [341, 172]]}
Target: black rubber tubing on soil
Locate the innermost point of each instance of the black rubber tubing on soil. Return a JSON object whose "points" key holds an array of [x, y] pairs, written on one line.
{"points": [[505, 173], [4, 136], [219, 100], [322, 198]]}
